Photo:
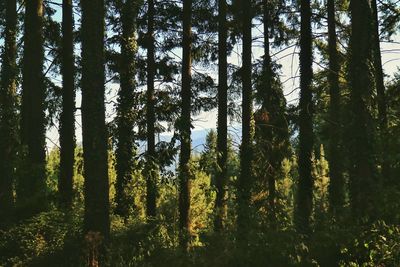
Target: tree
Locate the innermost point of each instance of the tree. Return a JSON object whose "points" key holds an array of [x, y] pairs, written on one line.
{"points": [[94, 131], [380, 90], [150, 113], [361, 133], [31, 184], [246, 153], [222, 127], [125, 109], [185, 125], [8, 130], [67, 119], [271, 135], [336, 185], [303, 206]]}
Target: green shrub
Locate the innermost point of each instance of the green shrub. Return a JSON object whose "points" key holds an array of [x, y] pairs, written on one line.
{"points": [[379, 245]]}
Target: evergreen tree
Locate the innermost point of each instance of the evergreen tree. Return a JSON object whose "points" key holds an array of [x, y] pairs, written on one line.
{"points": [[380, 90], [8, 130], [31, 184], [94, 130], [304, 201], [222, 126], [125, 109], [185, 127], [271, 125], [360, 132], [336, 185], [67, 119], [246, 153], [150, 112]]}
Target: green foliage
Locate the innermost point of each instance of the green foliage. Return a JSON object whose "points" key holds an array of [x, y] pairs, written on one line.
{"points": [[377, 245], [320, 173], [53, 238], [53, 172], [40, 240]]}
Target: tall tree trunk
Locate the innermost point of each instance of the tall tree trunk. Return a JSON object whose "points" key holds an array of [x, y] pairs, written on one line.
{"points": [[94, 131], [380, 89], [246, 153], [8, 131], [267, 103], [31, 184], [151, 119], [336, 185], [67, 119], [303, 206], [361, 131], [222, 128], [185, 124], [125, 114], [271, 125]]}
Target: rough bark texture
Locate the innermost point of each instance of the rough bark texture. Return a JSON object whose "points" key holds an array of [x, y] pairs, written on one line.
{"points": [[246, 153], [67, 119], [8, 131], [185, 123], [267, 103], [125, 113], [336, 185], [222, 127], [151, 119], [272, 135], [381, 93], [31, 184], [361, 132], [96, 187], [303, 206]]}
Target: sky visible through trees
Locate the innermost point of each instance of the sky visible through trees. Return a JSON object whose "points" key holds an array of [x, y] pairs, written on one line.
{"points": [[287, 57], [200, 133]]}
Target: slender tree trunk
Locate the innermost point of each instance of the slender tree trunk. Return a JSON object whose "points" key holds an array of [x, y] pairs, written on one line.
{"points": [[151, 119], [303, 206], [67, 119], [267, 104], [246, 153], [271, 125], [125, 114], [380, 89], [377, 61], [336, 185], [8, 131], [361, 134], [31, 184], [222, 127], [185, 176], [96, 218]]}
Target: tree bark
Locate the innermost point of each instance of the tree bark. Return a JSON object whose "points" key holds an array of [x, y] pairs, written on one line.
{"points": [[96, 187], [125, 112], [381, 93], [151, 119], [246, 152], [361, 133], [31, 185], [222, 127], [336, 185], [267, 104], [8, 114], [67, 119], [271, 135], [185, 124], [303, 206]]}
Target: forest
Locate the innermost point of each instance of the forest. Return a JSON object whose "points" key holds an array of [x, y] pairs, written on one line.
{"points": [[296, 102]]}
